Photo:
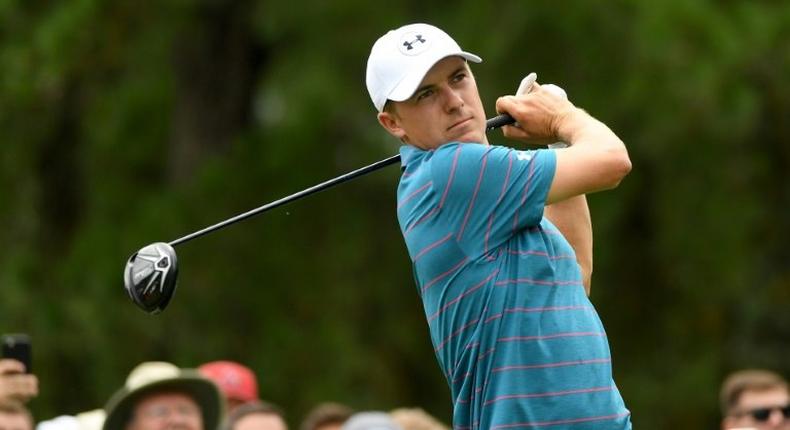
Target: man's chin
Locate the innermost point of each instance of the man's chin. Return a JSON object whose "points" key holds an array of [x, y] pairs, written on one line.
{"points": [[472, 138]]}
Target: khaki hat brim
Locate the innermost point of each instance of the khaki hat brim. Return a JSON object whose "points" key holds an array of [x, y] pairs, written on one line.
{"points": [[205, 393]]}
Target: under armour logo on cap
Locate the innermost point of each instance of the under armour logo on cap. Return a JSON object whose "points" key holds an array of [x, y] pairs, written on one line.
{"points": [[414, 43], [408, 45]]}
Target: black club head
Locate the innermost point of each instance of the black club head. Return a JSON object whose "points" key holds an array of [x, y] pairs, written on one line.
{"points": [[150, 277]]}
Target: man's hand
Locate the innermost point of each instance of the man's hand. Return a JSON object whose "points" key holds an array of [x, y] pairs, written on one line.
{"points": [[14, 383], [596, 158], [541, 115]]}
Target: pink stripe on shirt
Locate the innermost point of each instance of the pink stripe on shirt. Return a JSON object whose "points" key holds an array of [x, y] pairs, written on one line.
{"points": [[424, 217], [535, 282], [551, 336], [526, 192], [464, 294], [551, 365], [474, 195], [414, 193], [456, 333], [439, 278], [530, 310], [432, 246], [444, 195], [541, 254], [549, 394], [451, 177], [501, 196], [558, 422]]}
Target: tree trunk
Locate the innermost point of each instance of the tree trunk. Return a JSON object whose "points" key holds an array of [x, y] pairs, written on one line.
{"points": [[216, 61], [60, 176]]}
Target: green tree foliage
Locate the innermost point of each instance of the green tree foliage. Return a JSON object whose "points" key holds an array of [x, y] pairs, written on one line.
{"points": [[125, 123]]}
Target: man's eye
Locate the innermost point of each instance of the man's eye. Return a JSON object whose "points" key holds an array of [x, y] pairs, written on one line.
{"points": [[424, 94], [459, 77]]}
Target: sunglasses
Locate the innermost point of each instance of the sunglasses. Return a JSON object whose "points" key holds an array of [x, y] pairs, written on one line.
{"points": [[762, 414]]}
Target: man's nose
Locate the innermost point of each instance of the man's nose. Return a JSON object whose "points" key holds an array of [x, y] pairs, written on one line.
{"points": [[776, 418], [178, 424], [177, 420], [452, 99]]}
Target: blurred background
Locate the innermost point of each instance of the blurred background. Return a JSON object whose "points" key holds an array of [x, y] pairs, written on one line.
{"points": [[124, 123]]}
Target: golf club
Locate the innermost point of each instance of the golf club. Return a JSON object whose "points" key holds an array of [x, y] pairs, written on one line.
{"points": [[150, 273]]}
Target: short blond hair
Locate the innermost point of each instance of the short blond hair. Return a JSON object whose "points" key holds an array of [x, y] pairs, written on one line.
{"points": [[747, 380], [416, 419]]}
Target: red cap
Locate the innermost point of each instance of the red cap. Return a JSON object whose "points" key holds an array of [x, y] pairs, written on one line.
{"points": [[234, 380]]}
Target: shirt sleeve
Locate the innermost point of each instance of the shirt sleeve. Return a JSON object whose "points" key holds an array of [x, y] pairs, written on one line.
{"points": [[490, 193]]}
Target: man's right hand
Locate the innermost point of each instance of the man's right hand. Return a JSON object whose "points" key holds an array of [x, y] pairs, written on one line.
{"points": [[542, 116], [16, 385], [596, 159]]}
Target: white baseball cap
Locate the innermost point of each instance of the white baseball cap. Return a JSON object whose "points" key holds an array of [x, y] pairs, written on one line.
{"points": [[400, 59]]}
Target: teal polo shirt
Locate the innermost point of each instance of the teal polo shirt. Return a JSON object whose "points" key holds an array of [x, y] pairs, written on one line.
{"points": [[513, 331]]}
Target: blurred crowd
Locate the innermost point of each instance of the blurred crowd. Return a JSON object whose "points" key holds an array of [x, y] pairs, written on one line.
{"points": [[220, 395], [223, 395]]}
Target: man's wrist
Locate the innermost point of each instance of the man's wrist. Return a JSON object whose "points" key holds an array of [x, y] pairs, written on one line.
{"points": [[569, 123]]}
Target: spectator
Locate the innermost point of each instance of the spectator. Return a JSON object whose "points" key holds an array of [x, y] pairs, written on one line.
{"points": [[237, 383], [326, 416], [256, 415], [15, 416], [757, 399], [372, 420], [15, 384], [159, 395], [416, 419]]}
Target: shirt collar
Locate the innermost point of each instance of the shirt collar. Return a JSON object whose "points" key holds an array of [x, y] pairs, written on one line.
{"points": [[408, 154]]}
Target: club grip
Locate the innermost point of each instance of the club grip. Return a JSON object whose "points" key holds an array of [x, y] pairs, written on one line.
{"points": [[499, 121]]}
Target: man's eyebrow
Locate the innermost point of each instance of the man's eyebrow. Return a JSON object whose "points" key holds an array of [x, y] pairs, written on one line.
{"points": [[423, 88], [429, 86], [460, 69]]}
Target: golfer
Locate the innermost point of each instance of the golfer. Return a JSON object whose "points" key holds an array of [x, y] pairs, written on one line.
{"points": [[500, 239]]}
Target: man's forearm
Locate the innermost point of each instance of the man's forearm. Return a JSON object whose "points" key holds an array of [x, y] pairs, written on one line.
{"points": [[572, 218], [596, 160]]}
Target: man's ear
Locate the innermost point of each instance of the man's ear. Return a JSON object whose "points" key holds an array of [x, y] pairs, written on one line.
{"points": [[391, 123]]}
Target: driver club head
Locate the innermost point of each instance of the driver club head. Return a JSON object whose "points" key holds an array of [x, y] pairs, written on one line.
{"points": [[150, 277]]}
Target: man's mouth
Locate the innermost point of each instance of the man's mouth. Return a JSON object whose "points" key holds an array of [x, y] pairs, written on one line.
{"points": [[459, 123]]}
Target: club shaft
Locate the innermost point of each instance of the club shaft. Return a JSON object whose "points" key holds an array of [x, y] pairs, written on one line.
{"points": [[306, 192], [491, 124]]}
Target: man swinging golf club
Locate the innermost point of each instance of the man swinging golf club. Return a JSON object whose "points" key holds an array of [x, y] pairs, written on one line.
{"points": [[500, 239]]}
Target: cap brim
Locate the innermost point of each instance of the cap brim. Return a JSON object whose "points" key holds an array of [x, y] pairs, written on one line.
{"points": [[121, 405], [406, 88]]}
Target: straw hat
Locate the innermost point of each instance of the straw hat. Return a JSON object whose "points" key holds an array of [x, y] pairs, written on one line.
{"points": [[157, 376]]}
